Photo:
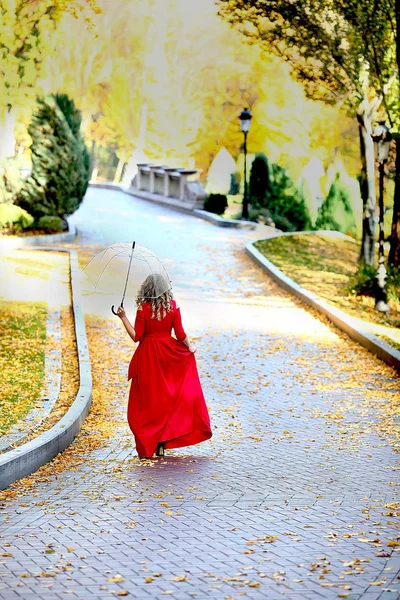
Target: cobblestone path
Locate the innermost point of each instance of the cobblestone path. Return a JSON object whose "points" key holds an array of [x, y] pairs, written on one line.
{"points": [[294, 497]]}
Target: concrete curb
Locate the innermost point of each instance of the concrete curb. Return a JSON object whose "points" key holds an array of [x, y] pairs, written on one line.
{"points": [[348, 324], [171, 203], [26, 459], [221, 222], [12, 243]]}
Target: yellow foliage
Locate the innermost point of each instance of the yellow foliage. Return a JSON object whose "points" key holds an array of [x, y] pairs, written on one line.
{"points": [[169, 78]]}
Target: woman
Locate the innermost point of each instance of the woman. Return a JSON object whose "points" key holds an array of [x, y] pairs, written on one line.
{"points": [[166, 406]]}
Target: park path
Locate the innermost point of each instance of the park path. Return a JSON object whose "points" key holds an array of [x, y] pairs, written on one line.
{"points": [[294, 497]]}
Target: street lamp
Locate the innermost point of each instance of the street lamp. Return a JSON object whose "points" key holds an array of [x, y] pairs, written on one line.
{"points": [[245, 119], [382, 138]]}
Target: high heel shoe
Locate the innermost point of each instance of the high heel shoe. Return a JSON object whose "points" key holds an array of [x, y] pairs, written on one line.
{"points": [[160, 449]]}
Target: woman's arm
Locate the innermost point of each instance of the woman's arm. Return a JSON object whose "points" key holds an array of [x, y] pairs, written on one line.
{"points": [[180, 332], [188, 345], [130, 330]]}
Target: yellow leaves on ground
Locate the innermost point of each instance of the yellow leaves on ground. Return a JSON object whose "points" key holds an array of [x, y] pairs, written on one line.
{"points": [[109, 364], [22, 351], [325, 265], [179, 578], [69, 374], [116, 579], [31, 279], [266, 539]]}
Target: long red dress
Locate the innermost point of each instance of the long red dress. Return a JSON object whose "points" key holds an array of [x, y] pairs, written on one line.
{"points": [[166, 402]]}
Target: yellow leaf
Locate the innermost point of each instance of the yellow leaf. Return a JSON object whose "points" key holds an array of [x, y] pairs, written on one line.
{"points": [[116, 579]]}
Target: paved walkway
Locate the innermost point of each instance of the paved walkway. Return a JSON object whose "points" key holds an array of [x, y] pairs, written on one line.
{"points": [[294, 497]]}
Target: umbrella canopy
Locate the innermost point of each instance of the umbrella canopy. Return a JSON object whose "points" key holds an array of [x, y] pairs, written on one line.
{"points": [[125, 269]]}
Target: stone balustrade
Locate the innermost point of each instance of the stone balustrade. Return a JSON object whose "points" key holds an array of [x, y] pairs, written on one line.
{"points": [[169, 185]]}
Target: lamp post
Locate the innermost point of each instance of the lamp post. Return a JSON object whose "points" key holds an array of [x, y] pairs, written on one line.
{"points": [[382, 138], [245, 119]]}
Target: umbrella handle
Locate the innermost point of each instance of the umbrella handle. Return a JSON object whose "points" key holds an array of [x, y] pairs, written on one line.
{"points": [[113, 309]]}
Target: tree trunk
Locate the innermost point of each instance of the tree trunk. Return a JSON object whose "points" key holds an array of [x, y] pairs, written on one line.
{"points": [[118, 172], [7, 145], [394, 253], [367, 188]]}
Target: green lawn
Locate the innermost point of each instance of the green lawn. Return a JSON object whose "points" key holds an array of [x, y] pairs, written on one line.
{"points": [[325, 266], [22, 352]]}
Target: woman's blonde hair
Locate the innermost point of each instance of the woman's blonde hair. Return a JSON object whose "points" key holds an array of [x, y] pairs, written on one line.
{"points": [[150, 292]]}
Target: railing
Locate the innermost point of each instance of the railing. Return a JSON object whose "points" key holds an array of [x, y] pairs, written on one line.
{"points": [[169, 185]]}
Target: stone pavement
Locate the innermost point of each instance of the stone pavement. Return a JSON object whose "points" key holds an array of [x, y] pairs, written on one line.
{"points": [[296, 495]]}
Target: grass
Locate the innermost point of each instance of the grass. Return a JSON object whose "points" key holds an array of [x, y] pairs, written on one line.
{"points": [[22, 352], [327, 266]]}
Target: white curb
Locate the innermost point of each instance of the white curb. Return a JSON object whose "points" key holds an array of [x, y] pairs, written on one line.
{"points": [[15, 242], [348, 324], [29, 457]]}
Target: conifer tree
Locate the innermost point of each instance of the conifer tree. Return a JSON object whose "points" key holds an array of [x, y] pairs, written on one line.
{"points": [[259, 182], [336, 213], [60, 160]]}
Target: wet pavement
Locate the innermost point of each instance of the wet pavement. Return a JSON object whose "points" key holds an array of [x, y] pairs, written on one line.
{"points": [[296, 495]]}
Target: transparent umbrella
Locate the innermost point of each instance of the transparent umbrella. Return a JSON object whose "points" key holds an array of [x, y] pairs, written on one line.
{"points": [[124, 269]]}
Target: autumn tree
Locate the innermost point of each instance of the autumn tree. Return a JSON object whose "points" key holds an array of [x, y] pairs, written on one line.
{"points": [[21, 53], [343, 53]]}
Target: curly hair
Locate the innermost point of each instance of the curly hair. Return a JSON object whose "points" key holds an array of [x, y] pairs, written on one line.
{"points": [[160, 304]]}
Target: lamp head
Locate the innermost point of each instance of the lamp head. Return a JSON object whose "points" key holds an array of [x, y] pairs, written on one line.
{"points": [[245, 119]]}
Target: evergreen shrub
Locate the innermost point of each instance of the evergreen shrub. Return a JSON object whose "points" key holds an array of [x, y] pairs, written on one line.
{"points": [[286, 202], [259, 182], [336, 213], [10, 180], [51, 224], [15, 218], [60, 160], [216, 203]]}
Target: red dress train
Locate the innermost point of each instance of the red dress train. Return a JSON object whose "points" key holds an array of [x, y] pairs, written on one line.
{"points": [[166, 402]]}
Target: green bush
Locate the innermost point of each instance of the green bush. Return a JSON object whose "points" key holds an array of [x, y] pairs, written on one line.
{"points": [[51, 224], [216, 203], [286, 202], [60, 160], [10, 180], [336, 213], [259, 182], [363, 282], [235, 184], [15, 218], [283, 223], [260, 215]]}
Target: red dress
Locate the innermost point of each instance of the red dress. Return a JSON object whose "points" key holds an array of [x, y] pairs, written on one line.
{"points": [[166, 402]]}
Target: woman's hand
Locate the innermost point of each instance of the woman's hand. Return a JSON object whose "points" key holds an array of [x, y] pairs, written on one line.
{"points": [[192, 349], [121, 313]]}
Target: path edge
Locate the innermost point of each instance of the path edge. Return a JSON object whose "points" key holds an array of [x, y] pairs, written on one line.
{"points": [[350, 326], [15, 243], [27, 458], [171, 203]]}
